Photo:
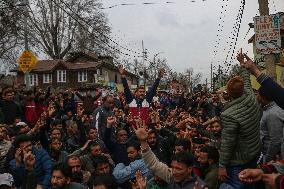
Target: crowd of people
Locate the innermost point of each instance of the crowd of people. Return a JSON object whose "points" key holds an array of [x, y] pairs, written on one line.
{"points": [[145, 140]]}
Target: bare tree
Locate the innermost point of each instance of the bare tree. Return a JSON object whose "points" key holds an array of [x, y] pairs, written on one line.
{"points": [[10, 37], [57, 27]]}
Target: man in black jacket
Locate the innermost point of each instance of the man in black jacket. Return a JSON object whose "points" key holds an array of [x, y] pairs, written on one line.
{"points": [[9, 108]]}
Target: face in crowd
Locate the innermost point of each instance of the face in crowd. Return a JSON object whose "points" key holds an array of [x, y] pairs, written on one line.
{"points": [[181, 167], [122, 136], [59, 180], [96, 150], [93, 134], [140, 93], [56, 145], [216, 127], [9, 95], [55, 134], [152, 139], [132, 153], [75, 165], [102, 168], [109, 102]]}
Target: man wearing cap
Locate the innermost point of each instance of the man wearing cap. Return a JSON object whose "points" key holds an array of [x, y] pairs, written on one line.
{"points": [[6, 181], [139, 103], [240, 140]]}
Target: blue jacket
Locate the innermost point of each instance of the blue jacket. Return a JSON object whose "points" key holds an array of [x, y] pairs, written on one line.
{"points": [[43, 169], [124, 173], [273, 89]]}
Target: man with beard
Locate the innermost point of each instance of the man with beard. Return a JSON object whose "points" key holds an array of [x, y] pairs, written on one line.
{"points": [[118, 147], [101, 114], [61, 178], [10, 109], [78, 175], [56, 153], [213, 131], [124, 173], [42, 165], [140, 102], [88, 100], [208, 159], [88, 160], [158, 147]]}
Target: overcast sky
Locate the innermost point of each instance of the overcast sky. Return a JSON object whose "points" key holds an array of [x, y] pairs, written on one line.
{"points": [[185, 31]]}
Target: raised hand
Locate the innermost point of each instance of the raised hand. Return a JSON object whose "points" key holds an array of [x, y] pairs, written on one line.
{"points": [[141, 181], [29, 160], [141, 132], [247, 63], [18, 157]]}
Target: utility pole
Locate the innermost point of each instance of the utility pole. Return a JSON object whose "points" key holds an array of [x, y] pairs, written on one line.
{"points": [[211, 77], [270, 58], [144, 53]]}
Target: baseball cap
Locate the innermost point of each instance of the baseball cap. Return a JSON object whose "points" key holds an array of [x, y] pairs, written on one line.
{"points": [[6, 179], [20, 124]]}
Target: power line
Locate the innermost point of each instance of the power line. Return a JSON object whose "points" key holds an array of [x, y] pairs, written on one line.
{"points": [[87, 29], [221, 25], [62, 1], [146, 3]]}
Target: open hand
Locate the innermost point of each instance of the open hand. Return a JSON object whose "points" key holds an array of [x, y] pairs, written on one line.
{"points": [[251, 175], [141, 132]]}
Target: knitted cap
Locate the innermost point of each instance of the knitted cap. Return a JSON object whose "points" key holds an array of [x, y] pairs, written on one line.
{"points": [[235, 87]]}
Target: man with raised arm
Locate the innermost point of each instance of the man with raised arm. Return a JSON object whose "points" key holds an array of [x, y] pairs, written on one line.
{"points": [[139, 103]]}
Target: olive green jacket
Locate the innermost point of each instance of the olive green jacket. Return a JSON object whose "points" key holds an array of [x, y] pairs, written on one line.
{"points": [[240, 121]]}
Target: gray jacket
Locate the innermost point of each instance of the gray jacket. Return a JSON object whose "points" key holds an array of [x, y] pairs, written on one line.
{"points": [[272, 125]]}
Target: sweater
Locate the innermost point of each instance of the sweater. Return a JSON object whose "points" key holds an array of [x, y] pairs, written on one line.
{"points": [[272, 127], [140, 107], [165, 173], [240, 120], [124, 173]]}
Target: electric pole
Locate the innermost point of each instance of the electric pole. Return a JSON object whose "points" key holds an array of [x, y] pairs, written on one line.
{"points": [[144, 53], [270, 58], [211, 77]]}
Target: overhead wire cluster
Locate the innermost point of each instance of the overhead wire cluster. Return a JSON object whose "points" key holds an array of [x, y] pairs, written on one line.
{"points": [[220, 29], [101, 33], [234, 37], [146, 3]]}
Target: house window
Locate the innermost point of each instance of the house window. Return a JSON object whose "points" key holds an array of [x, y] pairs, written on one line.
{"points": [[115, 78], [32, 80], [82, 76], [47, 78], [61, 76]]}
